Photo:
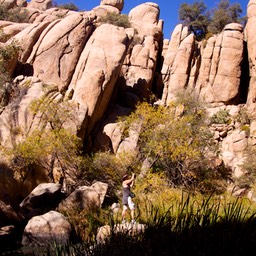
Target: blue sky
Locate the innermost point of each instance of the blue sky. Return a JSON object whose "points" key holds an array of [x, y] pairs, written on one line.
{"points": [[168, 8]]}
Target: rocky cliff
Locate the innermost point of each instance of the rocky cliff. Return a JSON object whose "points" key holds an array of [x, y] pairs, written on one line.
{"points": [[104, 70]]}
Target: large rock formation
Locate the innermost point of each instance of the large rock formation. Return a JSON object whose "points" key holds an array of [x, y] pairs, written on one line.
{"points": [[251, 45], [213, 69], [104, 70]]}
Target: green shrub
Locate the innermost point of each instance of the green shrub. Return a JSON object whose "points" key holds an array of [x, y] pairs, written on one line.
{"points": [[120, 20], [221, 117]]}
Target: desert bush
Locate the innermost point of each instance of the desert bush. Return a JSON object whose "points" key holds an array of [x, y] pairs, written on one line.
{"points": [[69, 6], [51, 145], [120, 20], [221, 117], [178, 142], [248, 178], [16, 14], [8, 54], [243, 117]]}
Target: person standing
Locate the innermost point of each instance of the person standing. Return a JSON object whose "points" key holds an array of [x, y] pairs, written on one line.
{"points": [[127, 202]]}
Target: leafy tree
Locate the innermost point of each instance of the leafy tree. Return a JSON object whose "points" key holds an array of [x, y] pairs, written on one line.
{"points": [[223, 15], [195, 17], [200, 21], [177, 141]]}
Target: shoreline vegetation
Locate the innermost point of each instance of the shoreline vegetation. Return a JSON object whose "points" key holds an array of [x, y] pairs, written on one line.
{"points": [[189, 225]]}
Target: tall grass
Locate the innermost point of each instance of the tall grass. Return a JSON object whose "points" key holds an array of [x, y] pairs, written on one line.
{"points": [[188, 226], [211, 226]]}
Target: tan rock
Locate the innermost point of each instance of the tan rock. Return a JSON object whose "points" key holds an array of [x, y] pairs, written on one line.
{"points": [[21, 3], [44, 229], [28, 37], [83, 197], [129, 229], [102, 10], [32, 13], [251, 44], [178, 35], [140, 64], [110, 136], [119, 4], [40, 4], [57, 51], [101, 188], [145, 19], [44, 196], [52, 14], [13, 29], [180, 69], [98, 69], [220, 72], [232, 150]]}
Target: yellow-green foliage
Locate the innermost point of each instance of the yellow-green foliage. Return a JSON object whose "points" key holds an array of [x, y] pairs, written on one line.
{"points": [[246, 129], [41, 148], [109, 168], [8, 56], [55, 113], [154, 196], [176, 139], [52, 144], [120, 20]]}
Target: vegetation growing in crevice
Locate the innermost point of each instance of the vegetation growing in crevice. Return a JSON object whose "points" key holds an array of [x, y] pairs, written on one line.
{"points": [[8, 55], [221, 117], [16, 14], [120, 20], [69, 6]]}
